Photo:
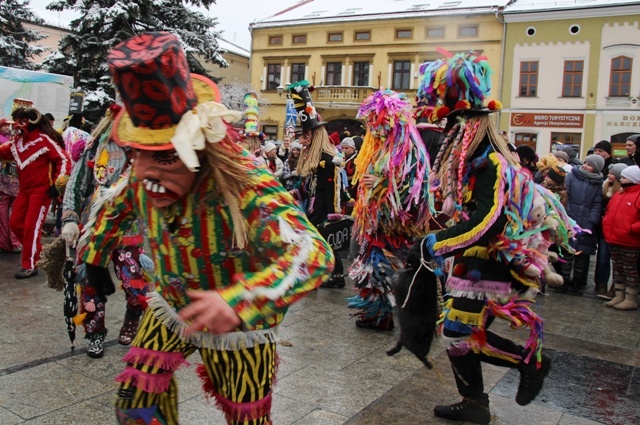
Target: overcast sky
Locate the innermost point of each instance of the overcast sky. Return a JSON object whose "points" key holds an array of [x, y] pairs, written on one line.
{"points": [[233, 16]]}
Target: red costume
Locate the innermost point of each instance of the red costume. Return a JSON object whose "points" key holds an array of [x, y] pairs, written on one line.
{"points": [[40, 161]]}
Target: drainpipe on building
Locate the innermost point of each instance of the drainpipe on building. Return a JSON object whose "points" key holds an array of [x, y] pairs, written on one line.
{"points": [[502, 49]]}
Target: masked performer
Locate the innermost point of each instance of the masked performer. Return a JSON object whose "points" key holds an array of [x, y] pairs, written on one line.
{"points": [[101, 164], [496, 238], [232, 250], [392, 205], [43, 170], [318, 167]]}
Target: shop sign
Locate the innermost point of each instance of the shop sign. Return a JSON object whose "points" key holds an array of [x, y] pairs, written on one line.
{"points": [[546, 120], [629, 120]]}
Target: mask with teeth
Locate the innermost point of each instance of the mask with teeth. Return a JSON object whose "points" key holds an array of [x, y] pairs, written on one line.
{"points": [[163, 176]]}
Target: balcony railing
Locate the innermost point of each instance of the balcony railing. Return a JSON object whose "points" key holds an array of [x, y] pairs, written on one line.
{"points": [[349, 94], [346, 94]]}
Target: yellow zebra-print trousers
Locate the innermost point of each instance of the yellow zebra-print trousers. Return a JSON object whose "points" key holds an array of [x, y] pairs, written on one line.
{"points": [[240, 381]]}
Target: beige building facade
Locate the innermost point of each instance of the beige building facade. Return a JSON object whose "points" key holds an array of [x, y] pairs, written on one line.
{"points": [[347, 52], [571, 75]]}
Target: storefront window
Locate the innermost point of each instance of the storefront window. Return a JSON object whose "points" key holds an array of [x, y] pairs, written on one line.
{"points": [[560, 140], [529, 139]]}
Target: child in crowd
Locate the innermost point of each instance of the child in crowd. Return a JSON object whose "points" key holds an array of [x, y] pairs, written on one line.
{"points": [[584, 205], [621, 227], [543, 166], [554, 181], [612, 184]]}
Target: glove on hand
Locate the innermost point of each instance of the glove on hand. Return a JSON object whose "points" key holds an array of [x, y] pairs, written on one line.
{"points": [[70, 233], [53, 192]]}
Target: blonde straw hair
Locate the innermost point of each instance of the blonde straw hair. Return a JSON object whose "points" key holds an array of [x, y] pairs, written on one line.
{"points": [[310, 156]]}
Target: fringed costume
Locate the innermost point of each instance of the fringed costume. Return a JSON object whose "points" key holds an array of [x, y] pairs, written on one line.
{"points": [[101, 164], [321, 188], [500, 229], [231, 249], [392, 212]]}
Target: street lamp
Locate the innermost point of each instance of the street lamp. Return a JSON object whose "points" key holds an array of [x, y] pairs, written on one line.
{"points": [[280, 89]]}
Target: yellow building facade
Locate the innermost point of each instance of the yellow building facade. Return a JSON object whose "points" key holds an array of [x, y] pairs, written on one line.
{"points": [[348, 56]]}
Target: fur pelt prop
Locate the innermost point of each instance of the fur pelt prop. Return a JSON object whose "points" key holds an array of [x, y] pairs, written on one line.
{"points": [[415, 288], [52, 261]]}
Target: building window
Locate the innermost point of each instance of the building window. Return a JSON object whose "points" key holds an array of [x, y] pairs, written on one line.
{"points": [[401, 75], [529, 139], [620, 76], [275, 40], [334, 74], [270, 132], [362, 35], [561, 140], [572, 79], [436, 32], [335, 36], [528, 79], [299, 39], [297, 72], [273, 76], [361, 74], [468, 31], [404, 33]]}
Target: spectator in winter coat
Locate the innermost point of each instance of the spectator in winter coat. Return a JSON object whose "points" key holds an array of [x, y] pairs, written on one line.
{"points": [[572, 151], [584, 205], [554, 181], [543, 166], [610, 186], [528, 158], [290, 178], [621, 227], [350, 154], [633, 153], [604, 149], [274, 164]]}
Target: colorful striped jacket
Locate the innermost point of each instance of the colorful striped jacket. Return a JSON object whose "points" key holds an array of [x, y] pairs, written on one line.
{"points": [[191, 245]]}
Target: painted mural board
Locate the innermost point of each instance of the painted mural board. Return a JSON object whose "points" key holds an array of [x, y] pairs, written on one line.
{"points": [[49, 92]]}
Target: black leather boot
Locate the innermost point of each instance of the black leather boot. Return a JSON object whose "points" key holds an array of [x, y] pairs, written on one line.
{"points": [[474, 410], [531, 379]]}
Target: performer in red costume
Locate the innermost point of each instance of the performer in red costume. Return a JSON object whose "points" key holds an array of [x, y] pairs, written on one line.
{"points": [[43, 168]]}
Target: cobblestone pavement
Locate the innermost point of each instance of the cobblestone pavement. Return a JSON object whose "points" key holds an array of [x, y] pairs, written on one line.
{"points": [[330, 372]]}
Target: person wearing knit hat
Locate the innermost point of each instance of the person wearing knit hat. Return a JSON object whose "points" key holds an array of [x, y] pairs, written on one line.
{"points": [[572, 152], [528, 158], [232, 249], [632, 146], [594, 163], [611, 185], [604, 148], [563, 160], [543, 165], [349, 165], [632, 174], [554, 181], [271, 159], [621, 228], [603, 145], [584, 205]]}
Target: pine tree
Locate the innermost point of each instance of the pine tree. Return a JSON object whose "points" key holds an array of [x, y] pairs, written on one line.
{"points": [[15, 50], [105, 23]]}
